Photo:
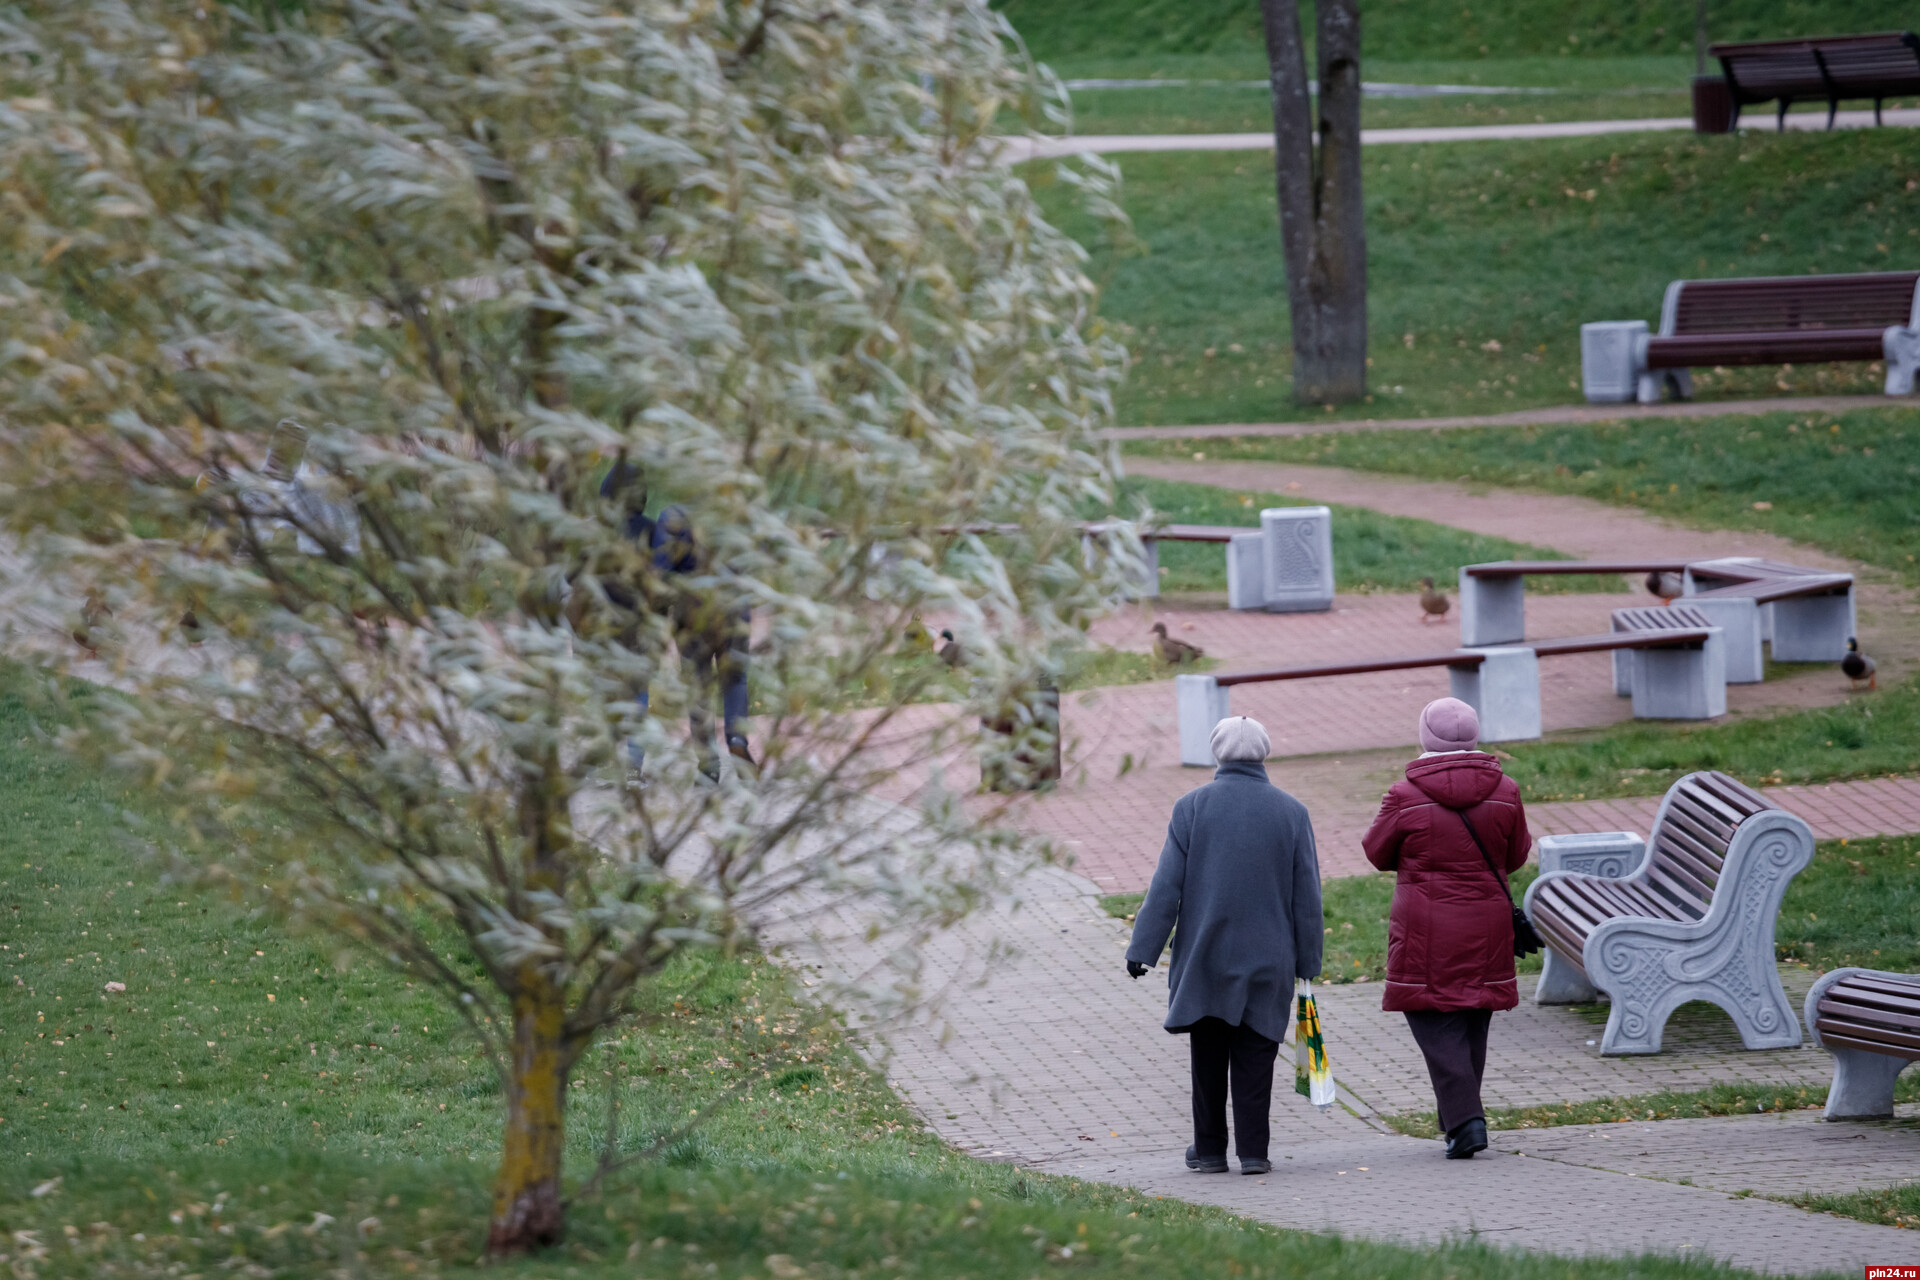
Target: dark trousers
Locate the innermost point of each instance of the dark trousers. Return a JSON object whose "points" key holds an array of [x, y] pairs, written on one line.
{"points": [[1454, 1042], [1242, 1056]]}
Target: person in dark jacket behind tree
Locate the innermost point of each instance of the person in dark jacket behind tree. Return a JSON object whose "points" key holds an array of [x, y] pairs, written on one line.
{"points": [[1450, 935], [1239, 878]]}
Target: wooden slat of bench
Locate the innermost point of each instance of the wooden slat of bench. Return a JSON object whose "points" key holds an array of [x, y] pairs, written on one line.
{"points": [[1573, 907], [1880, 995], [1841, 1008], [1673, 842], [1760, 346], [1681, 891], [1703, 823], [1792, 304], [1633, 900], [1677, 638], [1522, 568], [1768, 590], [1713, 797], [1838, 1039], [1454, 658], [1735, 792], [1678, 865], [1833, 1029], [1881, 986]]}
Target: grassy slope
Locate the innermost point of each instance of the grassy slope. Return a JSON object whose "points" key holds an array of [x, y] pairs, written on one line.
{"points": [[1485, 259], [1842, 483], [346, 1128], [1371, 551], [1873, 735], [1410, 29]]}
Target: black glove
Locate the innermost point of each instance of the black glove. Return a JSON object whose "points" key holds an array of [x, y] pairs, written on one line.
{"points": [[1135, 968]]}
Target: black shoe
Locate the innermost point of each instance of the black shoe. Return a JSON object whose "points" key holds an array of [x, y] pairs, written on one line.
{"points": [[1255, 1166], [1205, 1164], [1466, 1138]]}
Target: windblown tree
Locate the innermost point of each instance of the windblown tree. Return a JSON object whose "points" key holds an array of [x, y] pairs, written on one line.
{"points": [[1323, 231], [321, 338]]}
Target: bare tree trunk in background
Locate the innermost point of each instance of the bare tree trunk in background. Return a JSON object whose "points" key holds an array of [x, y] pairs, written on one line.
{"points": [[1699, 37], [528, 1212], [1323, 233]]}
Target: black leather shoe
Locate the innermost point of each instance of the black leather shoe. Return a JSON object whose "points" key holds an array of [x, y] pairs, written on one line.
{"points": [[1255, 1166], [1205, 1164], [1466, 1138]]}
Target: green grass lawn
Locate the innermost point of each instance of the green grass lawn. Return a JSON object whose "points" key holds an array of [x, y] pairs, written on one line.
{"points": [[1484, 260], [1575, 31], [256, 1103], [1734, 1099], [1842, 483], [1371, 551], [1873, 735]]}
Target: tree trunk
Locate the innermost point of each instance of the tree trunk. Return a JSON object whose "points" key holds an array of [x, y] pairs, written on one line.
{"points": [[1322, 217], [527, 1212]]}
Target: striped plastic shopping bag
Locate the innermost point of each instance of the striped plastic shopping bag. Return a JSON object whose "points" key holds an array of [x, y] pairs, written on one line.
{"points": [[1312, 1074]]}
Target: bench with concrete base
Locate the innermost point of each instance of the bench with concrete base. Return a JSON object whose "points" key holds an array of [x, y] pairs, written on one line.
{"points": [[1694, 922], [1663, 682], [1806, 615], [1284, 566], [1613, 855], [1501, 683], [1760, 321], [1869, 1020], [1493, 596]]}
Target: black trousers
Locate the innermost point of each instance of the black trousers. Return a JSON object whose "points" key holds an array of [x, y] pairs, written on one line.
{"points": [[1224, 1054], [1454, 1042]]}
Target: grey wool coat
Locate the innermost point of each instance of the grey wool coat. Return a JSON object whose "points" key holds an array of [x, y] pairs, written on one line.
{"points": [[1239, 878]]}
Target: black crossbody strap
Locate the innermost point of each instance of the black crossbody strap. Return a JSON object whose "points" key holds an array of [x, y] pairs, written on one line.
{"points": [[1483, 853]]}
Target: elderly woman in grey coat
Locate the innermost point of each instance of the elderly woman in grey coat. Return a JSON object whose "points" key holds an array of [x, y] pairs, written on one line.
{"points": [[1238, 886]]}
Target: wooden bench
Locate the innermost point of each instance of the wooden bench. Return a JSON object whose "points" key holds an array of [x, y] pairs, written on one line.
{"points": [[1763, 320], [1493, 599], [1695, 922], [1500, 682], [1658, 686], [1879, 66], [1869, 1021]]}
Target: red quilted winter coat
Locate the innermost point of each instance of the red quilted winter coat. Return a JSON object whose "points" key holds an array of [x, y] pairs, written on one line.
{"points": [[1450, 936]]}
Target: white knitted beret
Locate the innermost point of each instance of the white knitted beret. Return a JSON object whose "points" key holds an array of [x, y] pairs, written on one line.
{"points": [[1239, 738]]}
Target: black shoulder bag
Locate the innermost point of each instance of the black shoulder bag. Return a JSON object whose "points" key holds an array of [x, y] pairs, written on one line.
{"points": [[1525, 940]]}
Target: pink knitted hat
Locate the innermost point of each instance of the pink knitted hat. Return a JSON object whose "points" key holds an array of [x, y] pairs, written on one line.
{"points": [[1448, 724]]}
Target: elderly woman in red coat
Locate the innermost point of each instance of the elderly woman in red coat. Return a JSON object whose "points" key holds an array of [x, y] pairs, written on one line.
{"points": [[1452, 830]]}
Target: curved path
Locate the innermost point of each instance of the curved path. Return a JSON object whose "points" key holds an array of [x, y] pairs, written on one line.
{"points": [[1016, 150], [1550, 415]]}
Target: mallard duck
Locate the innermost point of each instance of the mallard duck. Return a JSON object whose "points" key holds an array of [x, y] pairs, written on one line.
{"points": [[918, 639], [951, 653], [1174, 652], [1859, 666], [1433, 602], [1668, 586]]}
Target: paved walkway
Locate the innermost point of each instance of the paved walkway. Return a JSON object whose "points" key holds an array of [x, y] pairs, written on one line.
{"points": [[1016, 150], [1070, 1072], [1548, 416]]}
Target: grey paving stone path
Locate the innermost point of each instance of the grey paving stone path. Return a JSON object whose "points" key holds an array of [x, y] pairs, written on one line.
{"points": [[1550, 415], [1053, 1059]]}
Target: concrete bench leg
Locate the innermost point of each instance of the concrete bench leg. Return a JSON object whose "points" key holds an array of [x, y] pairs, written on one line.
{"points": [[1812, 628], [1504, 691], [1247, 571], [1901, 346], [1299, 552], [1202, 705], [1862, 1084], [1613, 854], [1739, 623], [1610, 360], [1492, 610], [1681, 684]]}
